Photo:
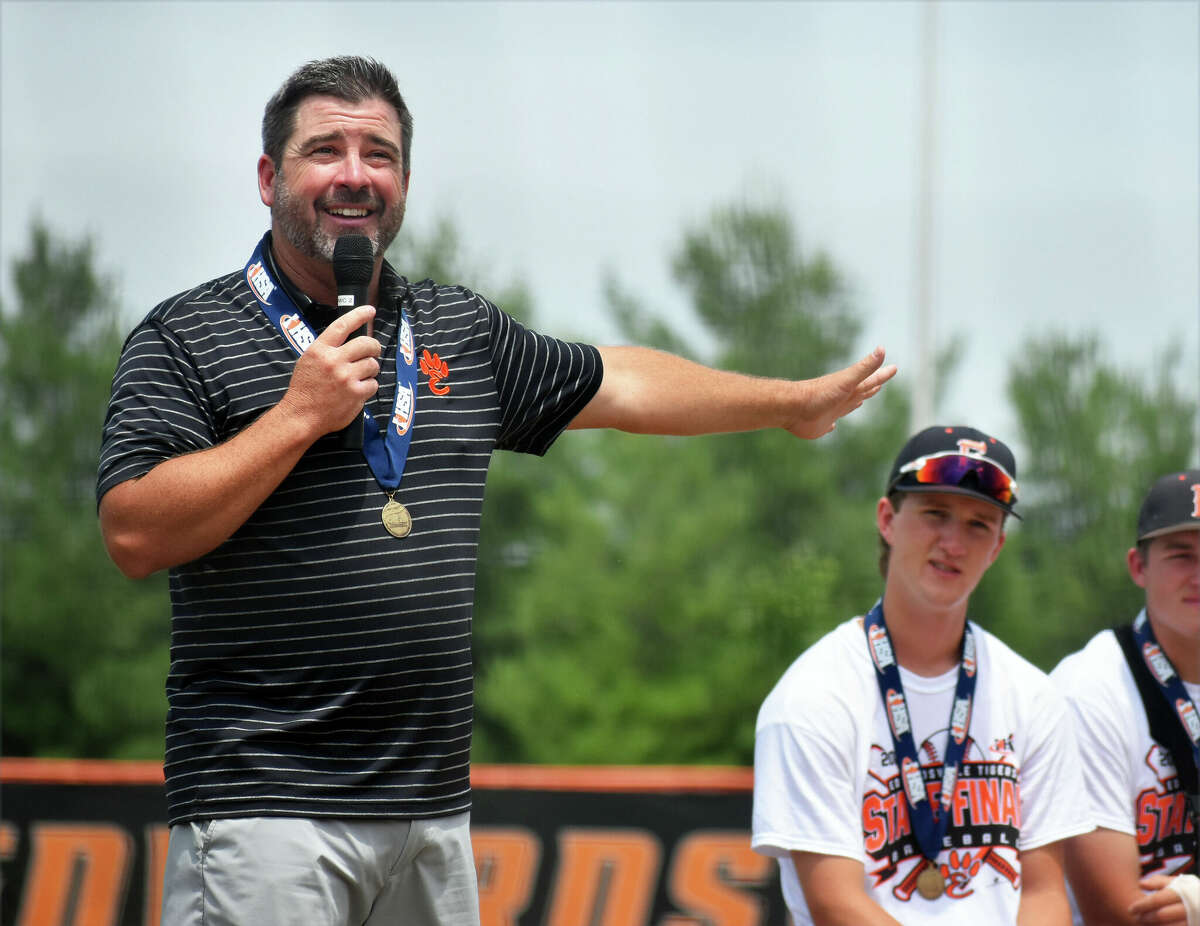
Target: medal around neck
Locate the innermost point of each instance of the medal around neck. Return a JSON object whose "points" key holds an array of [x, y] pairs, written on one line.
{"points": [[396, 519], [929, 823], [930, 883], [385, 449]]}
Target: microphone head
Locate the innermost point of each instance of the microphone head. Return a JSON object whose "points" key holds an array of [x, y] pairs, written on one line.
{"points": [[353, 260]]}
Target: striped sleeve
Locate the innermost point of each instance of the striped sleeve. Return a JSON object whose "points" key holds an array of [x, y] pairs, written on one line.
{"points": [[542, 382], [158, 408]]}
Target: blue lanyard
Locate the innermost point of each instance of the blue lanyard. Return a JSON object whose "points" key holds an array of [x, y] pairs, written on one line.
{"points": [[1169, 682], [929, 823], [386, 451]]}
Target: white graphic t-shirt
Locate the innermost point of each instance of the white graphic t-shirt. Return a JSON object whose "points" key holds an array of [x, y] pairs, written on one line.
{"points": [[1130, 781], [826, 779]]}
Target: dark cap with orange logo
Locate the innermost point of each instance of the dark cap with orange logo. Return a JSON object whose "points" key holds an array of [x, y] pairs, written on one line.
{"points": [[959, 460], [1172, 504]]}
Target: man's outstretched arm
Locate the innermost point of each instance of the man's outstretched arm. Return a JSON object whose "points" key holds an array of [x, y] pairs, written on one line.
{"points": [[647, 391]]}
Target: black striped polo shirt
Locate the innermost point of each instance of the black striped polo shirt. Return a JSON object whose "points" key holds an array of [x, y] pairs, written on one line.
{"points": [[319, 666]]}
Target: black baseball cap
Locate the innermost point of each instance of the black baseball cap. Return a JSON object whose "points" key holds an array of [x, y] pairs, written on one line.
{"points": [[1172, 504], [959, 460]]}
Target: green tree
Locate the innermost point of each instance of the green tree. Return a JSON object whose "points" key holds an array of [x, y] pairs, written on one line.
{"points": [[667, 582], [85, 650], [637, 596], [1094, 438]]}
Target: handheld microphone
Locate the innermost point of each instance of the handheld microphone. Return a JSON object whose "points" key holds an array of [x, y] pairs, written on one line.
{"points": [[353, 264]]}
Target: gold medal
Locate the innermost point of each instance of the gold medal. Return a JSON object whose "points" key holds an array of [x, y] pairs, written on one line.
{"points": [[396, 518], [930, 883]]}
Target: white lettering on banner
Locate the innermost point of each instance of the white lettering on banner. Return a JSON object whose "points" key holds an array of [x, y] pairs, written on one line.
{"points": [[969, 654], [402, 414], [406, 342], [260, 281], [958, 719], [881, 648], [949, 779], [897, 713], [1191, 722], [1159, 664], [914, 784], [297, 332]]}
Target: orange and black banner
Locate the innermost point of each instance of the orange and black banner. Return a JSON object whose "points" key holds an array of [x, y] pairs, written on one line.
{"points": [[83, 844]]}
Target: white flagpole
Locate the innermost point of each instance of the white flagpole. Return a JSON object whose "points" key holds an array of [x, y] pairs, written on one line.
{"points": [[924, 333]]}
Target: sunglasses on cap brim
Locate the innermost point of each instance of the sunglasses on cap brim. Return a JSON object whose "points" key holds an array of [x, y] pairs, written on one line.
{"points": [[950, 468]]}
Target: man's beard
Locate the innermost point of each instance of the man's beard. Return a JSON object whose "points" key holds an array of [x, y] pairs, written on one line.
{"points": [[291, 215]]}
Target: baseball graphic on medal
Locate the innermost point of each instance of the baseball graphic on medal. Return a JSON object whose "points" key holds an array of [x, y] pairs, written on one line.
{"points": [[930, 883], [396, 518]]}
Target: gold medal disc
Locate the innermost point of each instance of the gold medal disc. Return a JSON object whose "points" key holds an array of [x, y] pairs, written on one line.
{"points": [[396, 519], [930, 883]]}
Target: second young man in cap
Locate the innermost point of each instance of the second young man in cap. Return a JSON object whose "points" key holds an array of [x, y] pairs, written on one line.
{"points": [[909, 767], [1136, 692]]}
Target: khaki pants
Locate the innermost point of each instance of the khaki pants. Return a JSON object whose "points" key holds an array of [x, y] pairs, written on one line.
{"points": [[291, 871]]}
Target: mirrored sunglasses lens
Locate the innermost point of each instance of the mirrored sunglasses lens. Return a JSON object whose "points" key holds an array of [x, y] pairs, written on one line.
{"points": [[952, 470]]}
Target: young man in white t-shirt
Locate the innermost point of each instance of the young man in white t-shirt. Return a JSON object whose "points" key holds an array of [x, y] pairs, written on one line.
{"points": [[1138, 784], [870, 726]]}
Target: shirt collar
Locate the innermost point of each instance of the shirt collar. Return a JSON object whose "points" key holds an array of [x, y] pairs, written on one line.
{"points": [[319, 313]]}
